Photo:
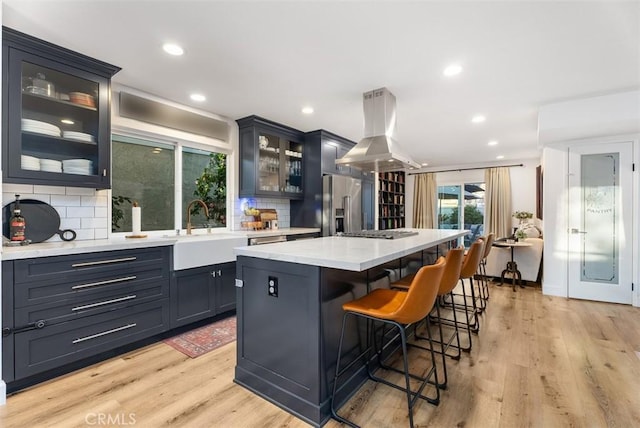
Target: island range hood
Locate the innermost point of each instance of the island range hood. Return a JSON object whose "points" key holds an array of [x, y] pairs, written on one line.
{"points": [[378, 151]]}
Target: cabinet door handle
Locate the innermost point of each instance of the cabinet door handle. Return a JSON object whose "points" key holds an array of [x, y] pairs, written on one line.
{"points": [[213, 273], [219, 273], [104, 262], [104, 172], [108, 281], [104, 333], [106, 302]]}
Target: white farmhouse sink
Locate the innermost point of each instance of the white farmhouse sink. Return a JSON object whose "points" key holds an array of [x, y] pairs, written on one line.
{"points": [[191, 251]]}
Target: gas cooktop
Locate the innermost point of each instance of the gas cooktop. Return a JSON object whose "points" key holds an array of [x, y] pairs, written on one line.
{"points": [[381, 234]]}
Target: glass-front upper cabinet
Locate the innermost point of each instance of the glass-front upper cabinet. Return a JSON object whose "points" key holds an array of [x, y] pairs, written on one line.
{"points": [[271, 159], [56, 115], [279, 164]]}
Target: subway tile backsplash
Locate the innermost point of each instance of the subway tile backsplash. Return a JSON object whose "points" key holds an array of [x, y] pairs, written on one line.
{"points": [[86, 210], [281, 206], [83, 210]]}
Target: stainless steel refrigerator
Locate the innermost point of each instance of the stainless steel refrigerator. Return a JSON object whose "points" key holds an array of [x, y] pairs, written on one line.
{"points": [[341, 205]]}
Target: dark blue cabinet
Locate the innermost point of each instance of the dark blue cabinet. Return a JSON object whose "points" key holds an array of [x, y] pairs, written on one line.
{"points": [[202, 292], [272, 159], [322, 148], [55, 108]]}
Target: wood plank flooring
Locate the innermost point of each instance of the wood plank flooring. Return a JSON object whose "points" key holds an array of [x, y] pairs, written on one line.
{"points": [[538, 361]]}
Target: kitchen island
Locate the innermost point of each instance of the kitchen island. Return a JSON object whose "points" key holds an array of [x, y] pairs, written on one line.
{"points": [[289, 308]]}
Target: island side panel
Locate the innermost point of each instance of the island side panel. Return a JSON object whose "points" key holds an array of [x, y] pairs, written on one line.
{"points": [[279, 341], [338, 287]]}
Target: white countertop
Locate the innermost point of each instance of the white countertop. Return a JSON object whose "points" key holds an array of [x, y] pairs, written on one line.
{"points": [[48, 249], [355, 254]]}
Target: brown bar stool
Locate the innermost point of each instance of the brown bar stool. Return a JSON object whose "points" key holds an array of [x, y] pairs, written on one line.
{"points": [[469, 268], [400, 309], [449, 280], [483, 266]]}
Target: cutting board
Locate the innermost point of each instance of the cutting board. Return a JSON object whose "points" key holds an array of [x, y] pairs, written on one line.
{"points": [[42, 221]]}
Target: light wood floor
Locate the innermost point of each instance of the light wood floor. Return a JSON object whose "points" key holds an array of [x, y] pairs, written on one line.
{"points": [[538, 361]]}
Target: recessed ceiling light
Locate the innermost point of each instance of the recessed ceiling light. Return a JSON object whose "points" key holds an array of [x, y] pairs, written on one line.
{"points": [[425, 164], [67, 121], [500, 157], [307, 110], [198, 97], [478, 119], [173, 49], [452, 70], [492, 143], [390, 160]]}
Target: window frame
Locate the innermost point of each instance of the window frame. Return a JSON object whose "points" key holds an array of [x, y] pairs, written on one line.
{"points": [[178, 144], [461, 183]]}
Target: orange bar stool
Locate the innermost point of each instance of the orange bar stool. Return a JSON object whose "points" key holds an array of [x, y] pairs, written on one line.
{"points": [[450, 278], [400, 309], [483, 267], [469, 268]]}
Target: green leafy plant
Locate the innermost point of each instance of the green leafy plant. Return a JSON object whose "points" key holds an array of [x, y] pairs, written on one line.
{"points": [[117, 214], [523, 215], [211, 188], [472, 215], [520, 235]]}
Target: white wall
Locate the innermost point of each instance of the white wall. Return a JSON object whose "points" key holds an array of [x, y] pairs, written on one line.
{"points": [[606, 115], [554, 212], [523, 186]]}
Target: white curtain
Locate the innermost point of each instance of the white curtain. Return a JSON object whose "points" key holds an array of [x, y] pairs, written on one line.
{"points": [[497, 202], [425, 197]]}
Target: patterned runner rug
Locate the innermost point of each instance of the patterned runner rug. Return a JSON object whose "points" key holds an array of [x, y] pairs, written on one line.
{"points": [[205, 339]]}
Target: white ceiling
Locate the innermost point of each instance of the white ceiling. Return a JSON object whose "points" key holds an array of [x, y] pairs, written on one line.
{"points": [[272, 58]]}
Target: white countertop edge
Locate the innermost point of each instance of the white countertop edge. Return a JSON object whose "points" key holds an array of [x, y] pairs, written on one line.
{"points": [[307, 255], [48, 249]]}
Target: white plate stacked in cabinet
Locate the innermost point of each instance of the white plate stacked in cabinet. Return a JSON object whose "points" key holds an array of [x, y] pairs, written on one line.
{"points": [[30, 163], [39, 127], [79, 136], [77, 166], [50, 165]]}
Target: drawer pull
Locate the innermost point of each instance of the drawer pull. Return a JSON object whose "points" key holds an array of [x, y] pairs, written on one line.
{"points": [[104, 333], [106, 302], [36, 325], [104, 262], [108, 281]]}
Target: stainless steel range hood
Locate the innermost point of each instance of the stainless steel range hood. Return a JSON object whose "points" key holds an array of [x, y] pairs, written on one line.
{"points": [[378, 151]]}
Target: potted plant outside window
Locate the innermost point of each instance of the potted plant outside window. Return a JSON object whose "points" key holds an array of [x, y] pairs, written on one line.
{"points": [[211, 188]]}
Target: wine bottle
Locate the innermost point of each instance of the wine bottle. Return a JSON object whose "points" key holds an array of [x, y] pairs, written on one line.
{"points": [[17, 223]]}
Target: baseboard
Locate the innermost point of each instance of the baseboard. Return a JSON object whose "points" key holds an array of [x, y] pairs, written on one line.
{"points": [[3, 393], [554, 290]]}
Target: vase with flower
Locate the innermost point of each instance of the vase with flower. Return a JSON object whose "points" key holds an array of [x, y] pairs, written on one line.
{"points": [[520, 235], [523, 216]]}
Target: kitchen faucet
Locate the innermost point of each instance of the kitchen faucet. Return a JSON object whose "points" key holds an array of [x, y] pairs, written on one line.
{"points": [[206, 212]]}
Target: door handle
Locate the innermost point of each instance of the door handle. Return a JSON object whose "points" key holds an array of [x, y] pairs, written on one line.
{"points": [[574, 231]]}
